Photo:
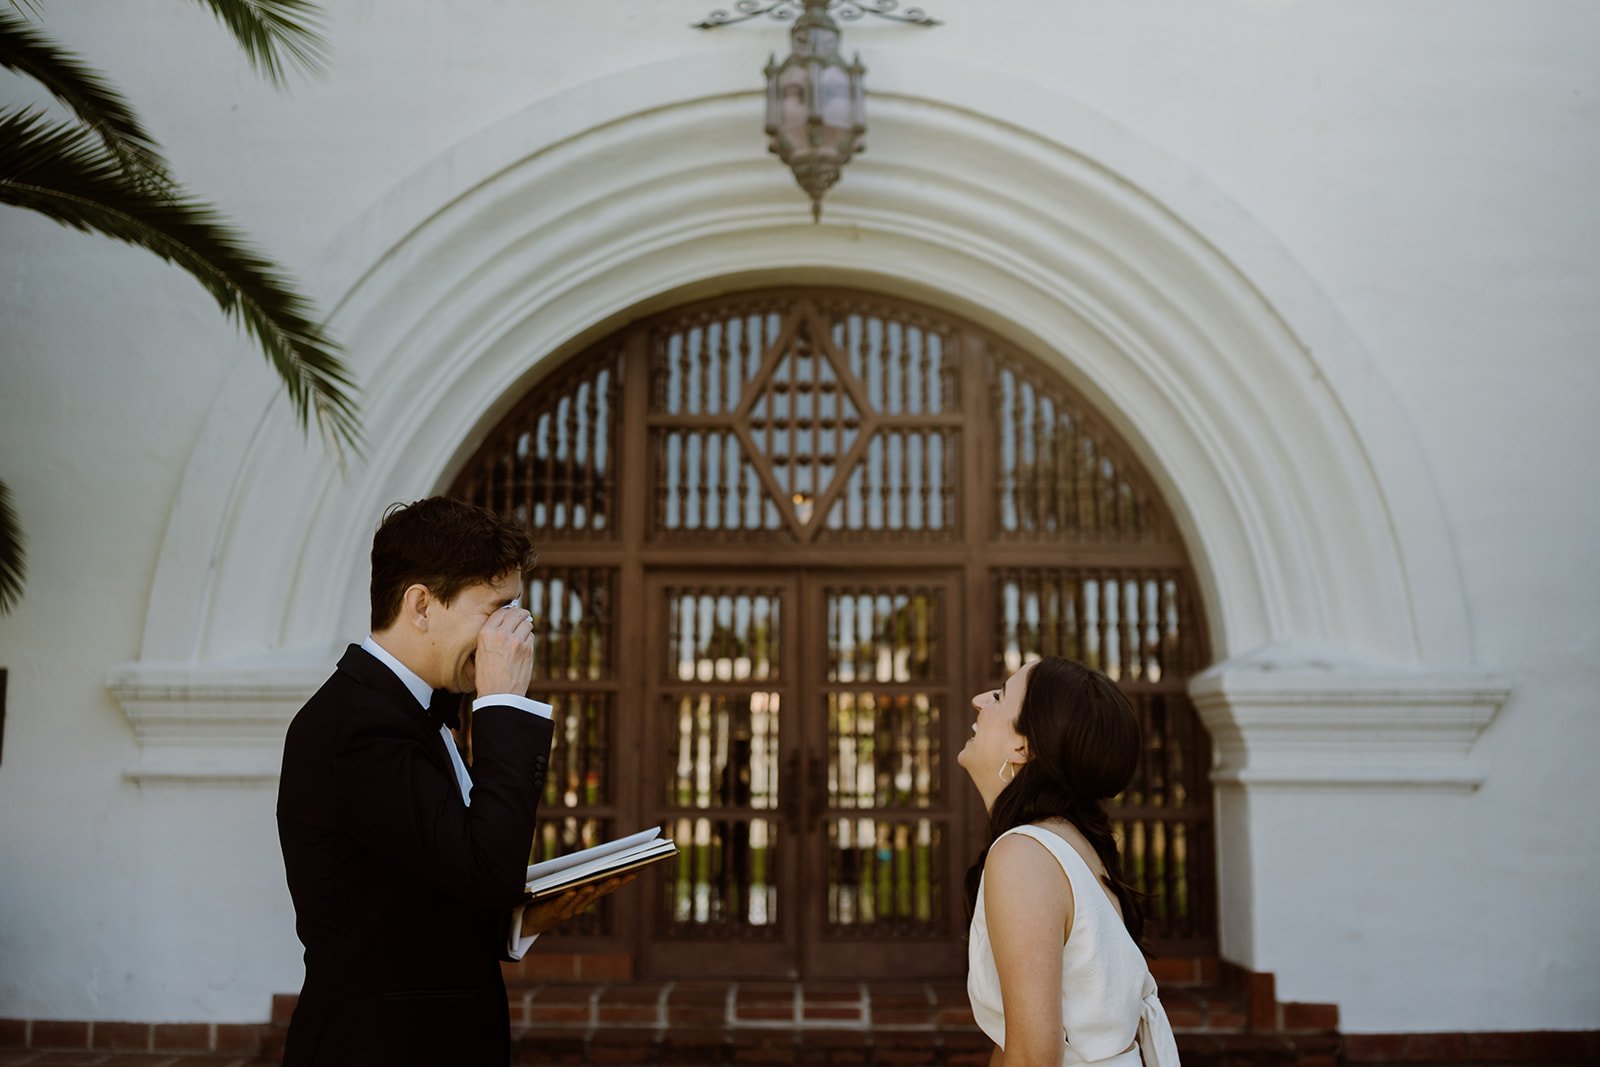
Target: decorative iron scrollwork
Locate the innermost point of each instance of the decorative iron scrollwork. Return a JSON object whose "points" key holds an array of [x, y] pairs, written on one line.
{"points": [[787, 10], [851, 10]]}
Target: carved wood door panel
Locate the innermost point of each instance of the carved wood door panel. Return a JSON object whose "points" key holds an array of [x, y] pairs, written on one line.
{"points": [[721, 741], [886, 805]]}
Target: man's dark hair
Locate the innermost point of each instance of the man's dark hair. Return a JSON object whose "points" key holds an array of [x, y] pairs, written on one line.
{"points": [[445, 545]]}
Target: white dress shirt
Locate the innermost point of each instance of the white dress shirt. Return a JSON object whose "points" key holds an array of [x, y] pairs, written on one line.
{"points": [[516, 944]]}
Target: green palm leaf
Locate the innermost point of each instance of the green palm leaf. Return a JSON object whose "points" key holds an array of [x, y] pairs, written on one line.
{"points": [[11, 555], [66, 174], [25, 51], [270, 31]]}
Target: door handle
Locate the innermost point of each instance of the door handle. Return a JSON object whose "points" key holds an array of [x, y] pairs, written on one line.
{"points": [[816, 791], [789, 786]]}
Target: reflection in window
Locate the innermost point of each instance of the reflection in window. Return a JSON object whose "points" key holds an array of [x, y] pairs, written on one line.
{"points": [[579, 773], [723, 635], [724, 882], [885, 634], [883, 750], [883, 876], [1125, 623], [725, 751]]}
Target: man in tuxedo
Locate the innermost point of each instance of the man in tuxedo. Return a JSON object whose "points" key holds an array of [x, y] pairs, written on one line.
{"points": [[405, 867]]}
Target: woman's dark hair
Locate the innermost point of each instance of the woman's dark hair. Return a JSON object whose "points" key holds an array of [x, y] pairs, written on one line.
{"points": [[1084, 743], [445, 545]]}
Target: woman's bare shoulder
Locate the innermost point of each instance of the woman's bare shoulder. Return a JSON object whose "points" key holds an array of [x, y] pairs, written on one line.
{"points": [[1023, 883], [1021, 857]]}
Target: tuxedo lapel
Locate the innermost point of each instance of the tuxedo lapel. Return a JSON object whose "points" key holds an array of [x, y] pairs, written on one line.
{"points": [[372, 673]]}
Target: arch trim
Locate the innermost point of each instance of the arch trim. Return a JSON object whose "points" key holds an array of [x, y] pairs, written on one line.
{"points": [[1304, 497]]}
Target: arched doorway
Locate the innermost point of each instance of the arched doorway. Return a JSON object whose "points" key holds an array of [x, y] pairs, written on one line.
{"points": [[784, 535]]}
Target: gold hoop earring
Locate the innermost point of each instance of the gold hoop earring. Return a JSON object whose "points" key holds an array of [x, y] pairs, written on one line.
{"points": [[1007, 765]]}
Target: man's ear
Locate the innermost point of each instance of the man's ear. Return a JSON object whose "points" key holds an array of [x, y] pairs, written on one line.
{"points": [[415, 603]]}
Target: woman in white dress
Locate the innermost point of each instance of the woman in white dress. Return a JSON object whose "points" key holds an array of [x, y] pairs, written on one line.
{"points": [[1057, 976]]}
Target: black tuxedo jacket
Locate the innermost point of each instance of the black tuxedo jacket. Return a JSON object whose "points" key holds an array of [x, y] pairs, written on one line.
{"points": [[402, 893]]}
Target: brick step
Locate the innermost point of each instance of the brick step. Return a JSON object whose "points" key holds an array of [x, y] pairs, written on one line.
{"points": [[587, 1009], [924, 1006], [703, 1023], [704, 1047]]}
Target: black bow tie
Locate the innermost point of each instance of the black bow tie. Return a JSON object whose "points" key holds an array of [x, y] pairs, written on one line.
{"points": [[445, 709]]}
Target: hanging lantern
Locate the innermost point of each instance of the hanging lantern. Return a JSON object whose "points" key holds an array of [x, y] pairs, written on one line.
{"points": [[816, 104]]}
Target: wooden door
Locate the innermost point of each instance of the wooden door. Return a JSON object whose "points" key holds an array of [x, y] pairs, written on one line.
{"points": [[721, 745], [885, 837], [797, 749], [833, 457]]}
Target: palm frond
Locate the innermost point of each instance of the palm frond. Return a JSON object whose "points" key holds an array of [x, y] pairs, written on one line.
{"points": [[26, 51], [26, 5], [64, 173], [274, 33], [12, 556]]}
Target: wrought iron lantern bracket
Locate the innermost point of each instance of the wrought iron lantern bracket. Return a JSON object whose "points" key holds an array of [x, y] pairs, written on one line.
{"points": [[784, 10]]}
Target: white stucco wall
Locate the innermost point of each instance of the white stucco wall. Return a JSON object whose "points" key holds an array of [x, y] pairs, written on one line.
{"points": [[1429, 166]]}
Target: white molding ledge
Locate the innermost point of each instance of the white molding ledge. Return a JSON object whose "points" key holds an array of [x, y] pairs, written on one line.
{"points": [[1305, 716], [216, 722]]}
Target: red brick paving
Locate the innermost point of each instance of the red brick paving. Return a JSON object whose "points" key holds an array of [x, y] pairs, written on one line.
{"points": [[18, 1057], [889, 1024]]}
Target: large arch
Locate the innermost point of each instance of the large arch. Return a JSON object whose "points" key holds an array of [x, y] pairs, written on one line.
{"points": [[1317, 535]]}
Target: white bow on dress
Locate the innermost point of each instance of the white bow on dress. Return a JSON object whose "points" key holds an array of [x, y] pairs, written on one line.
{"points": [[1157, 1046]]}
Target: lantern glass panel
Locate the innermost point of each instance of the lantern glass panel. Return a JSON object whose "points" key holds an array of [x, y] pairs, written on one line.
{"points": [[834, 90], [794, 104]]}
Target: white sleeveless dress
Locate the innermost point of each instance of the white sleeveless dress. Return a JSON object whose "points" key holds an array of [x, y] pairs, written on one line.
{"points": [[1108, 996]]}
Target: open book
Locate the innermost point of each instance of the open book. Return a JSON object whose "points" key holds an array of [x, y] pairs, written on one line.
{"points": [[600, 862]]}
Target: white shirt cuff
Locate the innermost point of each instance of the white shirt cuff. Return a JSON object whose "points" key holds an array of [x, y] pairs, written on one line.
{"points": [[511, 700], [517, 945]]}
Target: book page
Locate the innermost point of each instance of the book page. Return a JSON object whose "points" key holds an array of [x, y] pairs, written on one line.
{"points": [[607, 866], [562, 863]]}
